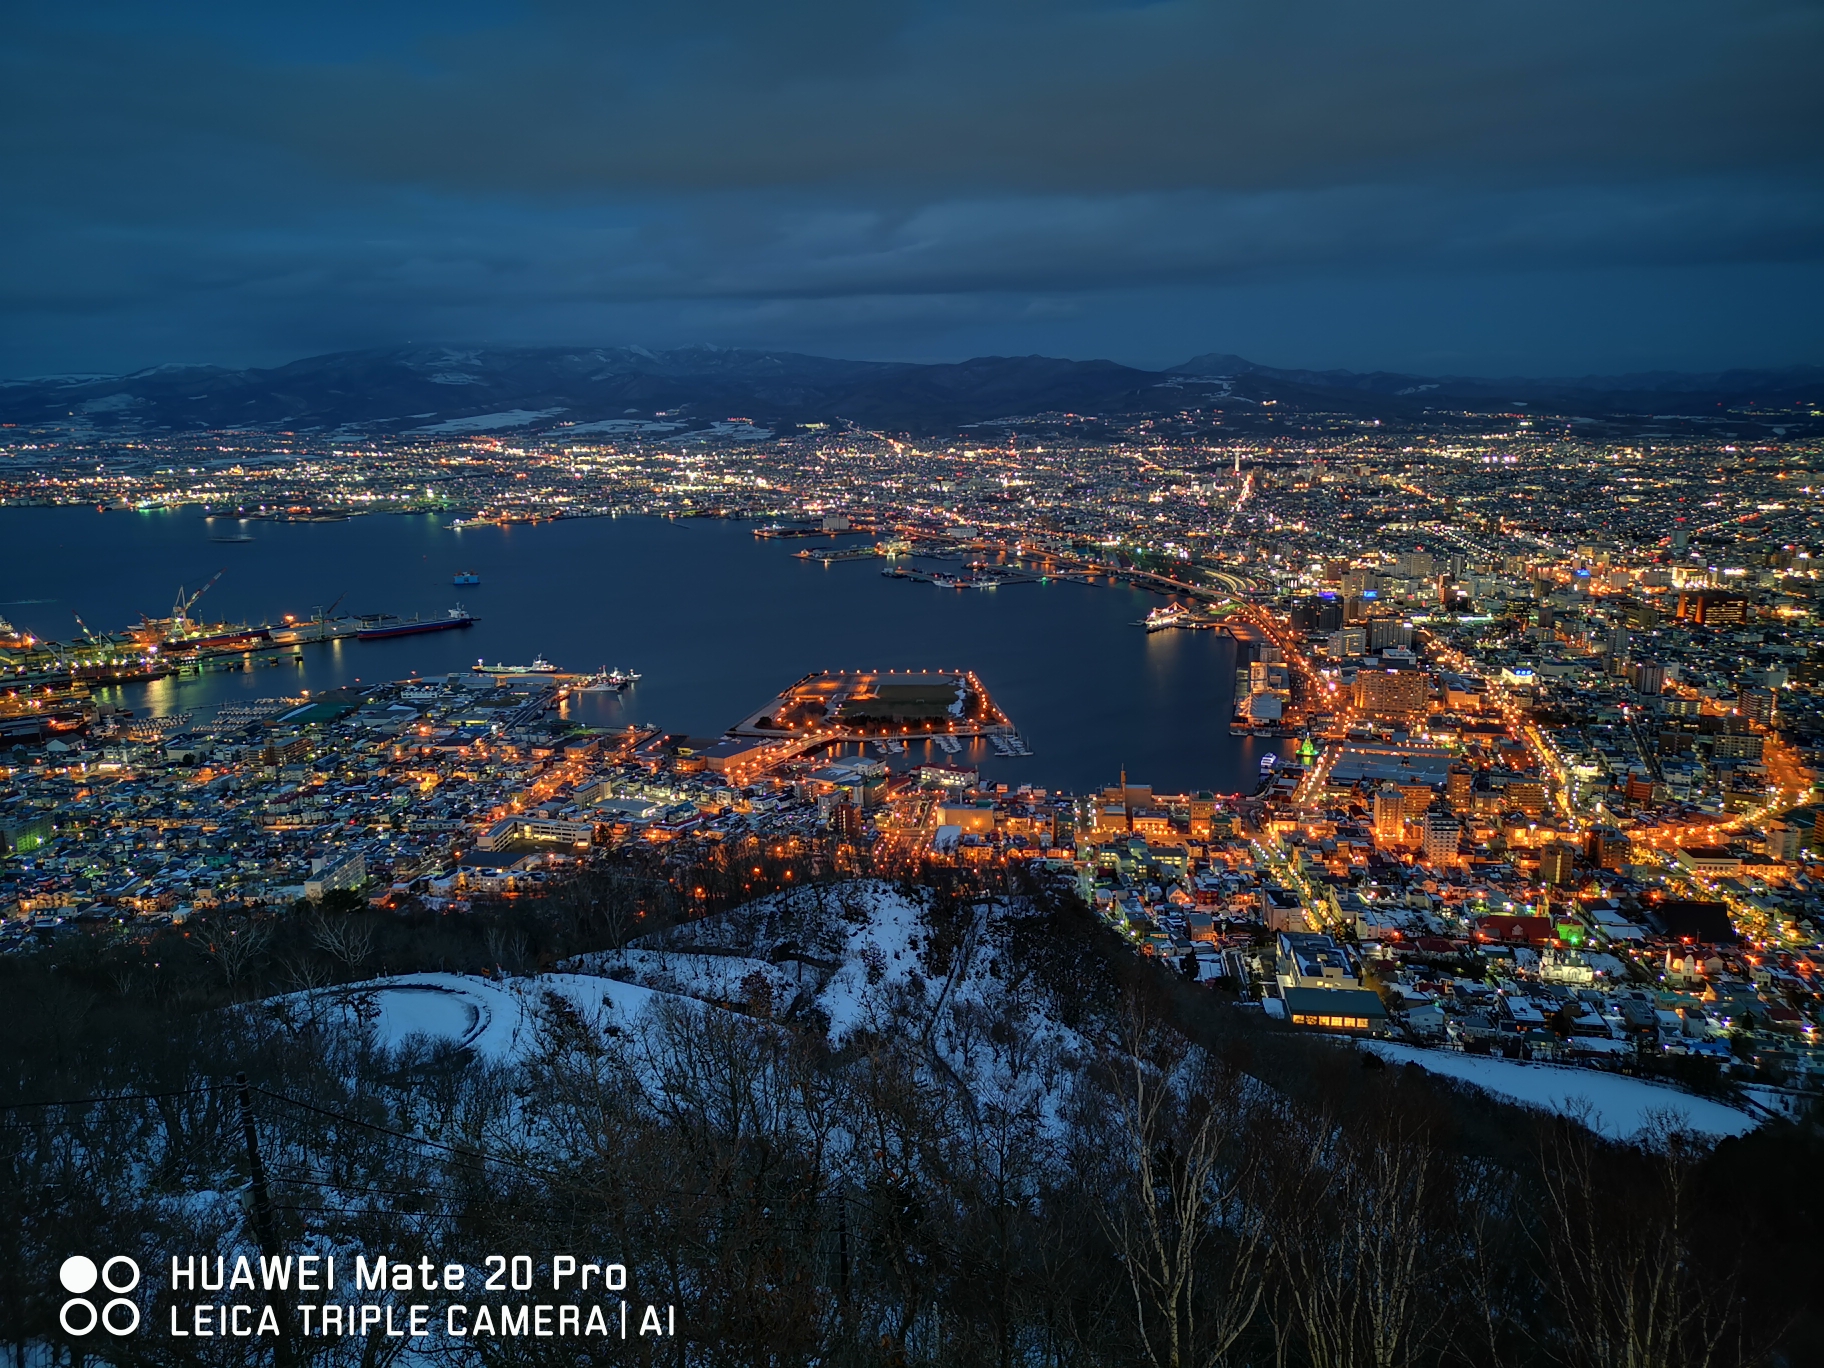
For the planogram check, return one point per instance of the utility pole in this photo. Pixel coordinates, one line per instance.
(263, 1227)
(262, 1199)
(842, 1251)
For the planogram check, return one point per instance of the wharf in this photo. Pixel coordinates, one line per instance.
(975, 579)
(142, 654)
(849, 553)
(834, 706)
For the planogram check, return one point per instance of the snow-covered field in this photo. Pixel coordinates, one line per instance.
(1612, 1105)
(488, 422)
(496, 1018)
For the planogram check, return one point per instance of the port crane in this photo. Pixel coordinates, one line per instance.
(88, 634)
(324, 614)
(181, 606)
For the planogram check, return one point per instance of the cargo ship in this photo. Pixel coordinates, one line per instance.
(221, 640)
(456, 617)
(539, 665)
(465, 577)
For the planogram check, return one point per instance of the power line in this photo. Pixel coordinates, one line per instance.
(283, 1176)
(109, 1097)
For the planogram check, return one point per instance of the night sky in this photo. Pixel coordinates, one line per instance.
(1448, 186)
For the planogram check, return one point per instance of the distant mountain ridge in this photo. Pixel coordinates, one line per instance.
(1742, 382)
(458, 390)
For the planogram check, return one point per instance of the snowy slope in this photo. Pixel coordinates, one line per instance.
(866, 960)
(708, 978)
(1610, 1104)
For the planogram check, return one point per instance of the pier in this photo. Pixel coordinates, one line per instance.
(880, 707)
(182, 647)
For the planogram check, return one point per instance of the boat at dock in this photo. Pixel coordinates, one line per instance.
(229, 638)
(609, 681)
(944, 580)
(1160, 619)
(847, 553)
(539, 666)
(456, 617)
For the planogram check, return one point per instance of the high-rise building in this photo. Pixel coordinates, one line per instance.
(1395, 695)
(1713, 608)
(1757, 705)
(1784, 840)
(1389, 815)
(1649, 677)
(1527, 795)
(845, 818)
(1415, 565)
(1607, 847)
(1557, 863)
(1442, 837)
(1459, 784)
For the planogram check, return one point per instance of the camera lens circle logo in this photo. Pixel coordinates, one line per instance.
(79, 1275)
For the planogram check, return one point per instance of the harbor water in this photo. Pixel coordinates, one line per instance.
(714, 619)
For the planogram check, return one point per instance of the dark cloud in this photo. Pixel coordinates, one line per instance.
(219, 183)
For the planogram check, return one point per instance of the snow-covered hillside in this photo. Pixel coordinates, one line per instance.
(1612, 1105)
(863, 960)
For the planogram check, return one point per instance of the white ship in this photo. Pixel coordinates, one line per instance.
(539, 665)
(610, 681)
(1162, 618)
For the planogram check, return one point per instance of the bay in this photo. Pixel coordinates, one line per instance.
(715, 619)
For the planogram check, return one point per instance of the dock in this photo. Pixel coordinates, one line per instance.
(883, 708)
(847, 553)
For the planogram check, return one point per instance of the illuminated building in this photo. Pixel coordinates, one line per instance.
(1389, 815)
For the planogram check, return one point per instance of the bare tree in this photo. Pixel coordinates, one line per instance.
(347, 938)
(1624, 1255)
(304, 973)
(1178, 1206)
(236, 951)
(1364, 1261)
(507, 948)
